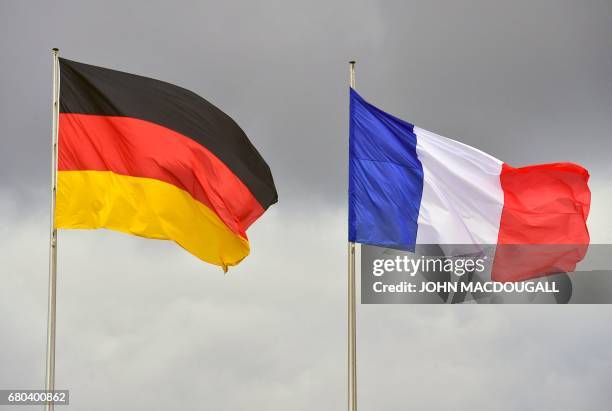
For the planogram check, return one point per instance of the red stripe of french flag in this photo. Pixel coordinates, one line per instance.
(543, 227)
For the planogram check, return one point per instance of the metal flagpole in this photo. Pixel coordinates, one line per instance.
(352, 328)
(50, 375)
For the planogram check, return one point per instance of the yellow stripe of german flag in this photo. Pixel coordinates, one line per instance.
(147, 208)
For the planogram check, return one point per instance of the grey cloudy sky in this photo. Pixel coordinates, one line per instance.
(144, 325)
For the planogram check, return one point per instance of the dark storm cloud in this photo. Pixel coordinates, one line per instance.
(526, 82)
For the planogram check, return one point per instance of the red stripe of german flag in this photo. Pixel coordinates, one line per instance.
(149, 158)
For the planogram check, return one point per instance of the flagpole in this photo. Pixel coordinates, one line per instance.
(352, 328)
(50, 371)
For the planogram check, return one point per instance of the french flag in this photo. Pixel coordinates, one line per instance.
(409, 186)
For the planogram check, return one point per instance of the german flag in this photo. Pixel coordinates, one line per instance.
(148, 158)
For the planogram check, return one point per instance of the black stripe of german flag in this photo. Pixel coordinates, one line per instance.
(152, 159)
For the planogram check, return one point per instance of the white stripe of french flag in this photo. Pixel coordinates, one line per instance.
(462, 198)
